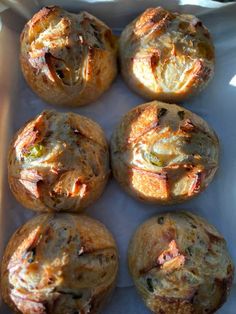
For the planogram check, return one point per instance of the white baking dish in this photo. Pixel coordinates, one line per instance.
(121, 214)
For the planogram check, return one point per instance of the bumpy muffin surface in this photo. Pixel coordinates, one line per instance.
(59, 264)
(166, 56)
(163, 153)
(58, 161)
(180, 264)
(67, 59)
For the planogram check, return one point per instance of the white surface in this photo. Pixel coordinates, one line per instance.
(120, 213)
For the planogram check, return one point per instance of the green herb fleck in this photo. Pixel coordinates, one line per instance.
(189, 251)
(181, 114)
(160, 220)
(162, 112)
(60, 74)
(77, 296)
(150, 285)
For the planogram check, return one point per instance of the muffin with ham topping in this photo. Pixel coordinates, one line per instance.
(180, 264)
(58, 162)
(166, 56)
(163, 153)
(59, 264)
(68, 59)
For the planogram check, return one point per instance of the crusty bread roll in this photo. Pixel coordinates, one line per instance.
(58, 162)
(67, 59)
(180, 264)
(59, 264)
(166, 56)
(163, 153)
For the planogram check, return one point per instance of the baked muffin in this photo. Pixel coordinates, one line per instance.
(59, 264)
(166, 56)
(68, 59)
(58, 162)
(180, 264)
(163, 153)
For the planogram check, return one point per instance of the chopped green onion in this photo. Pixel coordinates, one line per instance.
(35, 151)
(153, 159)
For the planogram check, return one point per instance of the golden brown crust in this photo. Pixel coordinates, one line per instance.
(59, 264)
(58, 161)
(166, 56)
(163, 153)
(67, 59)
(180, 264)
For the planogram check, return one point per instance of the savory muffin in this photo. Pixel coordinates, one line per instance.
(59, 264)
(180, 264)
(58, 162)
(68, 59)
(163, 153)
(166, 56)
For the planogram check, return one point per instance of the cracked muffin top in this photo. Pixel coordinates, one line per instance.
(166, 56)
(163, 153)
(59, 264)
(67, 59)
(58, 162)
(180, 264)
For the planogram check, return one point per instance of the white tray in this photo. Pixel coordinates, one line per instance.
(120, 213)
